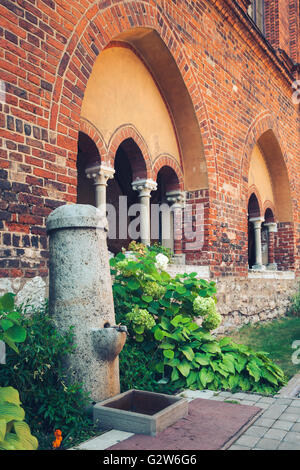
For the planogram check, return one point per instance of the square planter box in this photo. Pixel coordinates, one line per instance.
(140, 412)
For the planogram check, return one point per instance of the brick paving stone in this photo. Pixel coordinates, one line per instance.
(296, 427)
(296, 403)
(256, 431)
(248, 403)
(293, 410)
(247, 441)
(292, 437)
(236, 447)
(263, 406)
(284, 401)
(277, 434)
(287, 446)
(267, 400)
(290, 417)
(274, 411)
(268, 444)
(240, 395)
(253, 397)
(285, 425)
(266, 422)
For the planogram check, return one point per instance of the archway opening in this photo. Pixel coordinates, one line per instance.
(163, 216)
(87, 156)
(253, 212)
(129, 165)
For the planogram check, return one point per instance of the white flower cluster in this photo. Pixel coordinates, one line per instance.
(162, 262)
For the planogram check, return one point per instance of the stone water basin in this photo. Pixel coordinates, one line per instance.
(140, 412)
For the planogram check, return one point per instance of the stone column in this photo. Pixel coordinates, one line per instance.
(257, 222)
(144, 188)
(176, 199)
(80, 296)
(272, 229)
(100, 174)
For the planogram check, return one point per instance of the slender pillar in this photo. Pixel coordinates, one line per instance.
(100, 174)
(176, 199)
(257, 222)
(272, 229)
(144, 188)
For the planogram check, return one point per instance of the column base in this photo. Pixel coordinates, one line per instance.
(258, 267)
(272, 267)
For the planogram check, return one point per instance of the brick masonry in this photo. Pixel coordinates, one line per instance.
(239, 84)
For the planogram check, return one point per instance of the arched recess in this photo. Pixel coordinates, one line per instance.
(266, 167)
(88, 155)
(165, 223)
(254, 211)
(264, 134)
(129, 165)
(150, 33)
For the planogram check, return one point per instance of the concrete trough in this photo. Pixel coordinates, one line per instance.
(140, 412)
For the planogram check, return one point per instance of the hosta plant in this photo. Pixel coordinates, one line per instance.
(14, 432)
(171, 319)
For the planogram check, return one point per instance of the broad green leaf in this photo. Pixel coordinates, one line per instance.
(168, 353)
(159, 334)
(192, 378)
(10, 343)
(203, 376)
(133, 285)
(211, 348)
(2, 429)
(147, 298)
(139, 329)
(10, 411)
(188, 352)
(166, 346)
(6, 324)
(160, 367)
(184, 367)
(16, 333)
(9, 395)
(202, 359)
(176, 320)
(139, 338)
(7, 302)
(254, 371)
(174, 375)
(27, 441)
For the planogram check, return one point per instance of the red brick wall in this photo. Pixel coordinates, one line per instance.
(238, 88)
(284, 247)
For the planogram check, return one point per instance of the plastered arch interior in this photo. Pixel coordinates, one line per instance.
(135, 81)
(268, 173)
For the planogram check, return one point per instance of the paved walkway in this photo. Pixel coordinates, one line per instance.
(278, 428)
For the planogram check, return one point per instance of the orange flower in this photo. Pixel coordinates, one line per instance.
(58, 439)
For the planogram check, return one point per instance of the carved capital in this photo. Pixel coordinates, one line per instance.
(100, 174)
(144, 187)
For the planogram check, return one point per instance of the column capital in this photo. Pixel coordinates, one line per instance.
(176, 197)
(257, 221)
(144, 187)
(100, 174)
(272, 227)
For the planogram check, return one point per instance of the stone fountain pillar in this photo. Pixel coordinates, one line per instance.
(80, 295)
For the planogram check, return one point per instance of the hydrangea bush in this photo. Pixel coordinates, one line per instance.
(162, 315)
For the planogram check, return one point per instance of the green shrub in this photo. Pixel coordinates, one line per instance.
(38, 373)
(159, 312)
(15, 434)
